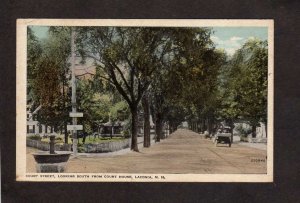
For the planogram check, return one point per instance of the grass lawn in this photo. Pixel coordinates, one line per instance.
(59, 139)
(100, 140)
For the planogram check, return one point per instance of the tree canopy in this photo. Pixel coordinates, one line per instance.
(48, 69)
(178, 72)
(245, 86)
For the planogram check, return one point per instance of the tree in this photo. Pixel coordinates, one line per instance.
(247, 84)
(34, 50)
(146, 110)
(127, 57)
(193, 80)
(48, 76)
(99, 104)
(185, 75)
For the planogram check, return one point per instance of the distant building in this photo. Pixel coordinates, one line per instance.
(82, 71)
(33, 126)
(185, 124)
(260, 130)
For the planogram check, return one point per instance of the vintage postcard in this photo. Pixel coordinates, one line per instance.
(145, 100)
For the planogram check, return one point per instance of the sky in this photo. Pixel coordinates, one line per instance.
(228, 38)
(40, 31)
(232, 38)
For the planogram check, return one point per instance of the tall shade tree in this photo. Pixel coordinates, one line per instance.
(34, 51)
(147, 127)
(247, 84)
(128, 57)
(190, 79)
(99, 107)
(48, 74)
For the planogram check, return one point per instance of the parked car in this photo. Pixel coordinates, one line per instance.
(223, 135)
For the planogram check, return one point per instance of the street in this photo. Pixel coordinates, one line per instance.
(182, 152)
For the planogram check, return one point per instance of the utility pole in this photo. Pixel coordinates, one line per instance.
(74, 114)
(74, 119)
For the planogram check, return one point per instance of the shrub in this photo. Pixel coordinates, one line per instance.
(243, 131)
(58, 139)
(126, 134)
(35, 137)
(80, 148)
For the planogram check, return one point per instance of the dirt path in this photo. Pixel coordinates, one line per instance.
(183, 152)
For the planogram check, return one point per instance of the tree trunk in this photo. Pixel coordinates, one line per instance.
(111, 130)
(167, 130)
(158, 127)
(231, 125)
(254, 131)
(174, 127)
(162, 135)
(266, 128)
(170, 127)
(209, 125)
(145, 103)
(202, 125)
(134, 129)
(66, 133)
(64, 107)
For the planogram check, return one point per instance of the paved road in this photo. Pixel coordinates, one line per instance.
(183, 152)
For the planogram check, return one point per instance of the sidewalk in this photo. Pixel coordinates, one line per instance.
(261, 146)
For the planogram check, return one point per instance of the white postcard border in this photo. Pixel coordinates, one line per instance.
(21, 40)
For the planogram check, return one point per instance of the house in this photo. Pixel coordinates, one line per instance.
(33, 126)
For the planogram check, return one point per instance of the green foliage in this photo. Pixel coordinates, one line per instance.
(35, 137)
(127, 128)
(243, 131)
(126, 57)
(80, 148)
(187, 78)
(119, 111)
(102, 140)
(34, 50)
(48, 68)
(245, 88)
(126, 133)
(99, 107)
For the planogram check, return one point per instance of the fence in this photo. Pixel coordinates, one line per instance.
(44, 146)
(257, 140)
(111, 146)
(88, 148)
